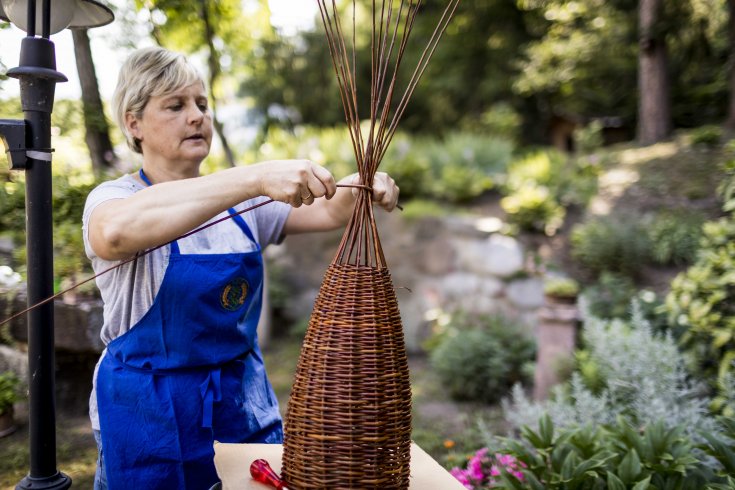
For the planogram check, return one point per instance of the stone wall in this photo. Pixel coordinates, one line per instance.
(78, 346)
(437, 265)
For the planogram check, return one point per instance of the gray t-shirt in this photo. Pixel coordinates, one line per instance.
(127, 300)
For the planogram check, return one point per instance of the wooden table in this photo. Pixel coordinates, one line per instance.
(233, 467)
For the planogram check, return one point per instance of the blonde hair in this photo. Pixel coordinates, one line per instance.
(147, 73)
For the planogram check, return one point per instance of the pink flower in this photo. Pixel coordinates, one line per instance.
(462, 476)
(475, 469)
(482, 470)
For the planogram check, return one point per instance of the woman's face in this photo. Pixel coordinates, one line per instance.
(176, 128)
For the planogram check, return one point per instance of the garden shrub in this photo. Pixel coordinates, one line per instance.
(564, 288)
(724, 401)
(571, 181)
(464, 165)
(726, 188)
(637, 375)
(720, 446)
(421, 208)
(409, 165)
(490, 155)
(69, 195)
(675, 237)
(539, 167)
(541, 184)
(646, 427)
(589, 137)
(609, 297)
(458, 184)
(702, 300)
(9, 390)
(533, 208)
(480, 357)
(707, 135)
(500, 120)
(12, 209)
(615, 244)
(612, 456)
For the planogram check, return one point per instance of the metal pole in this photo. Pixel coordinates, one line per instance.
(38, 77)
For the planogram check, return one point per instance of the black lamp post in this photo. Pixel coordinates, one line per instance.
(28, 145)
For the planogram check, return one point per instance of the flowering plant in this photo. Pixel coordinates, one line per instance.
(483, 469)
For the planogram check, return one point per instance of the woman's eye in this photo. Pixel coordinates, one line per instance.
(175, 107)
(203, 107)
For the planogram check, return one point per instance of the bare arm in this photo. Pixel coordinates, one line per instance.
(332, 213)
(158, 214)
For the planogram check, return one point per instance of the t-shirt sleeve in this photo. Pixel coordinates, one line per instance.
(116, 189)
(270, 220)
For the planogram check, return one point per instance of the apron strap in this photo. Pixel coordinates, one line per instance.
(144, 177)
(237, 218)
(211, 391)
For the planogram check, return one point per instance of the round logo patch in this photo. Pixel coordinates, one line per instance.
(234, 294)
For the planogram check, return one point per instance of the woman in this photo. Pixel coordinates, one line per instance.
(182, 366)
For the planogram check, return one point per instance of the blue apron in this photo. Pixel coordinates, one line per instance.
(188, 373)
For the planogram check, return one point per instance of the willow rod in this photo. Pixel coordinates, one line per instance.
(421, 67)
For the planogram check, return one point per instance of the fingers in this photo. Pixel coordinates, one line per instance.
(319, 183)
(302, 182)
(385, 191)
(326, 185)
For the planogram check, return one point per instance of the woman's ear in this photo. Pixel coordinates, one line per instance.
(133, 127)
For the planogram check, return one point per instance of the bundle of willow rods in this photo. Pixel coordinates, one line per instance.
(348, 423)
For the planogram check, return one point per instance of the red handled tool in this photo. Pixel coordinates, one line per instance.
(262, 472)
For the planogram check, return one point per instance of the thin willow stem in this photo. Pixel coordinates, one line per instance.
(390, 30)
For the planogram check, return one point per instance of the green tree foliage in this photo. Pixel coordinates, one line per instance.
(294, 73)
(585, 62)
(471, 70)
(474, 65)
(701, 299)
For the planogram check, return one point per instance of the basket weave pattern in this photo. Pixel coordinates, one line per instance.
(348, 423)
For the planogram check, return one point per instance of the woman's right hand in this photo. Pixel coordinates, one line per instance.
(295, 182)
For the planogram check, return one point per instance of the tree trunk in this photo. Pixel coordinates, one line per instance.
(654, 110)
(214, 72)
(730, 123)
(97, 131)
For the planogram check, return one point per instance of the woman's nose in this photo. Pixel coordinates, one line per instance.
(194, 114)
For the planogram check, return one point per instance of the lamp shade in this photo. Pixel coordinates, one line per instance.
(89, 13)
(64, 13)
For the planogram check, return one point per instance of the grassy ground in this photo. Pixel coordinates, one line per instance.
(76, 453)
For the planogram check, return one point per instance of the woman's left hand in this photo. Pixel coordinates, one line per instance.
(385, 190)
(331, 213)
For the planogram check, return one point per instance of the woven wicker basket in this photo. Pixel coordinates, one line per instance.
(348, 423)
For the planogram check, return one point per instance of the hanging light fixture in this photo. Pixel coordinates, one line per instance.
(64, 13)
